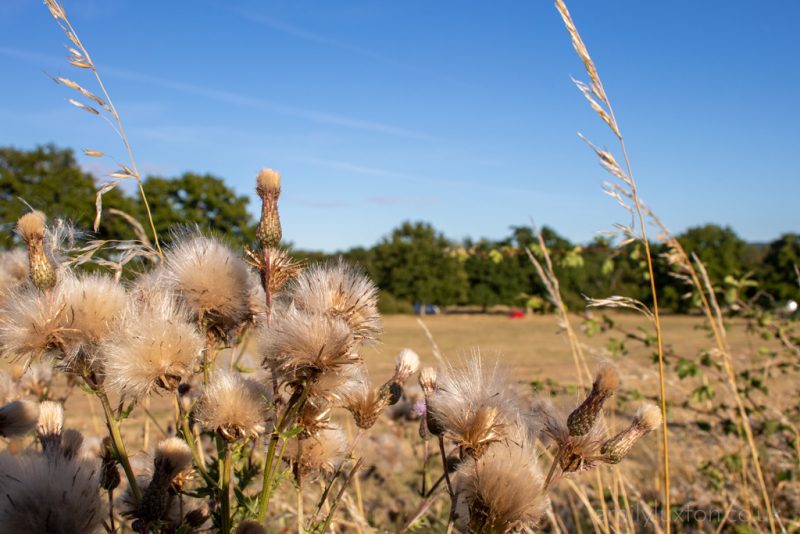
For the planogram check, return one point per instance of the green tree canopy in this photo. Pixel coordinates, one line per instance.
(417, 264)
(50, 180)
(719, 248)
(777, 273)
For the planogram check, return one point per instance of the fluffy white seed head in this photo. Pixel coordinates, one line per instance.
(406, 364)
(320, 454)
(427, 380)
(30, 226)
(51, 420)
(31, 324)
(18, 418)
(473, 404)
(92, 306)
(13, 270)
(235, 407)
(210, 279)
(305, 346)
(172, 456)
(51, 494)
(155, 348)
(503, 490)
(340, 290)
(268, 181)
(648, 417)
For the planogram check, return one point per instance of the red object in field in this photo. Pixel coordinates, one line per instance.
(516, 314)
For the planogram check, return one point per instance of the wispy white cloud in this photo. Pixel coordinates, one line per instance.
(237, 99)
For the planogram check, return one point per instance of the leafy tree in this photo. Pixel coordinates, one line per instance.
(417, 264)
(719, 248)
(200, 199)
(778, 274)
(49, 179)
(495, 274)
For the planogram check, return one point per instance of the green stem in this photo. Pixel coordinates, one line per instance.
(292, 409)
(119, 446)
(225, 490)
(189, 437)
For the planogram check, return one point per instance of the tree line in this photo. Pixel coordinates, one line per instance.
(414, 263)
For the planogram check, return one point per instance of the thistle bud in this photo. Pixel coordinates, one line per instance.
(109, 472)
(198, 516)
(582, 419)
(18, 418)
(268, 188)
(427, 381)
(30, 228)
(71, 443)
(647, 419)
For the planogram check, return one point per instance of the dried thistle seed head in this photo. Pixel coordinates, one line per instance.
(363, 401)
(315, 415)
(31, 228)
(92, 306)
(31, 325)
(583, 418)
(18, 418)
(427, 381)
(50, 494)
(71, 443)
(172, 456)
(407, 363)
(197, 517)
(303, 346)
(50, 425)
(154, 349)
(503, 491)
(647, 419)
(472, 405)
(13, 270)
(318, 455)
(268, 182)
(210, 279)
(268, 187)
(251, 527)
(340, 290)
(234, 407)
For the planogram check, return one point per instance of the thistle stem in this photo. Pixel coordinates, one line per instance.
(225, 490)
(119, 446)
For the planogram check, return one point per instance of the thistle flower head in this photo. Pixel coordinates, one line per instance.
(363, 401)
(210, 279)
(155, 348)
(503, 490)
(18, 418)
(318, 455)
(338, 289)
(32, 325)
(50, 425)
(50, 494)
(406, 364)
(427, 381)
(303, 346)
(13, 270)
(576, 453)
(234, 407)
(172, 456)
(473, 405)
(583, 418)
(268, 181)
(30, 226)
(648, 418)
(92, 306)
(31, 229)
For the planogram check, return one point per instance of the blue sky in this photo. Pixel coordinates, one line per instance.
(459, 113)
